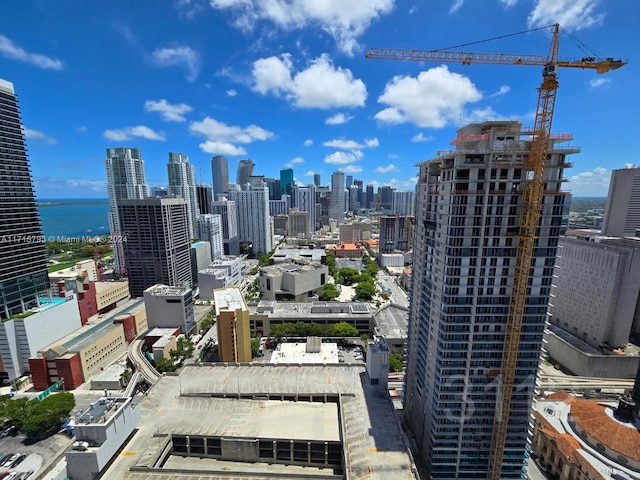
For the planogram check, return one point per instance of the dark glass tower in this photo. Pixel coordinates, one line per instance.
(23, 255)
(220, 174)
(245, 171)
(205, 197)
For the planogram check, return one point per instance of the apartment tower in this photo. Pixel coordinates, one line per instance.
(622, 214)
(204, 194)
(245, 172)
(209, 229)
(337, 199)
(125, 180)
(23, 255)
(254, 222)
(467, 222)
(220, 175)
(227, 209)
(182, 183)
(158, 246)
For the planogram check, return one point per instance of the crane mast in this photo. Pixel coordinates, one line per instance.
(532, 198)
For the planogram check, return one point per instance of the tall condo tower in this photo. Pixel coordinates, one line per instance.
(254, 222)
(286, 184)
(125, 180)
(23, 255)
(306, 201)
(182, 183)
(158, 246)
(209, 229)
(205, 197)
(227, 209)
(465, 241)
(220, 174)
(245, 172)
(622, 214)
(337, 202)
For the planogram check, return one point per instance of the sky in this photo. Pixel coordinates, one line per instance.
(286, 83)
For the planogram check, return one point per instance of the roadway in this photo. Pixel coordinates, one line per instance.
(397, 295)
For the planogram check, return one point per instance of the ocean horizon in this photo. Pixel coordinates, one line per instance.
(73, 217)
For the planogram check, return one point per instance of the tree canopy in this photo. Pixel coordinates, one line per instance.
(305, 329)
(329, 292)
(34, 417)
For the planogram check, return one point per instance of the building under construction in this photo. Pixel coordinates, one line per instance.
(468, 210)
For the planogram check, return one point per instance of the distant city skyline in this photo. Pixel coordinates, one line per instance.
(300, 94)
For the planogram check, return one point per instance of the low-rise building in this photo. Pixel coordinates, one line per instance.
(232, 323)
(85, 292)
(170, 307)
(295, 280)
(223, 273)
(346, 250)
(200, 256)
(110, 294)
(392, 260)
(85, 268)
(354, 232)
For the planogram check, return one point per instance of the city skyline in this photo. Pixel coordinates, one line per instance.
(297, 92)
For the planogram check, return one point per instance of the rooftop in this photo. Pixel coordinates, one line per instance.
(229, 299)
(165, 290)
(296, 353)
(392, 321)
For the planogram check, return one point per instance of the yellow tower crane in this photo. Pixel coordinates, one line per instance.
(532, 196)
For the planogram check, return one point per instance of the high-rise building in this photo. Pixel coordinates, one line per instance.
(170, 307)
(227, 209)
(182, 183)
(354, 193)
(369, 198)
(209, 229)
(337, 206)
(220, 174)
(125, 180)
(205, 197)
(622, 213)
(349, 181)
(23, 255)
(402, 202)
(287, 184)
(245, 172)
(396, 232)
(298, 224)
(157, 247)
(306, 202)
(254, 223)
(159, 192)
(465, 242)
(359, 184)
(274, 188)
(232, 322)
(316, 179)
(385, 198)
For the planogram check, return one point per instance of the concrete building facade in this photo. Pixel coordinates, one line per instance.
(125, 180)
(298, 224)
(337, 199)
(467, 215)
(23, 254)
(294, 280)
(170, 307)
(200, 257)
(158, 243)
(182, 183)
(226, 272)
(220, 174)
(254, 224)
(396, 233)
(245, 172)
(227, 209)
(232, 322)
(403, 202)
(209, 229)
(622, 213)
(305, 201)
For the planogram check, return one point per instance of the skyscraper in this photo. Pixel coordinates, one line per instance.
(254, 223)
(209, 229)
(466, 237)
(316, 179)
(402, 202)
(158, 246)
(23, 255)
(182, 183)
(349, 180)
(205, 197)
(396, 232)
(306, 201)
(622, 213)
(385, 198)
(337, 205)
(286, 184)
(227, 209)
(125, 180)
(245, 172)
(220, 175)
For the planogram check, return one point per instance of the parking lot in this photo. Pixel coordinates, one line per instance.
(37, 455)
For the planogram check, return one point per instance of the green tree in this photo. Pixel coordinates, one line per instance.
(329, 292)
(343, 329)
(255, 346)
(366, 289)
(331, 263)
(395, 362)
(166, 365)
(37, 418)
(349, 276)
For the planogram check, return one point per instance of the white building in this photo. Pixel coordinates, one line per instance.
(125, 180)
(378, 362)
(403, 202)
(200, 257)
(254, 223)
(182, 183)
(280, 207)
(22, 338)
(168, 307)
(306, 202)
(210, 230)
(392, 260)
(337, 205)
(467, 216)
(223, 273)
(622, 213)
(227, 208)
(86, 268)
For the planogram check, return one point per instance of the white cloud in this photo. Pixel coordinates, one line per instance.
(190, 8)
(222, 148)
(311, 173)
(598, 82)
(344, 21)
(127, 133)
(297, 160)
(503, 90)
(36, 135)
(594, 183)
(393, 156)
(340, 158)
(371, 142)
(351, 144)
(178, 56)
(320, 85)
(169, 112)
(352, 169)
(413, 9)
(81, 129)
(456, 5)
(8, 49)
(571, 14)
(432, 99)
(66, 185)
(308, 142)
(419, 137)
(389, 168)
(231, 93)
(222, 138)
(403, 184)
(508, 3)
(338, 119)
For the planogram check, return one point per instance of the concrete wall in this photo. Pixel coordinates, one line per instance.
(240, 450)
(105, 349)
(584, 364)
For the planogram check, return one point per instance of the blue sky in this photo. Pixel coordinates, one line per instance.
(285, 82)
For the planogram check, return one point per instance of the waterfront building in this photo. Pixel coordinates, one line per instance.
(23, 254)
(465, 243)
(125, 180)
(158, 244)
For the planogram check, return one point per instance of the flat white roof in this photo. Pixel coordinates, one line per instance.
(296, 353)
(228, 299)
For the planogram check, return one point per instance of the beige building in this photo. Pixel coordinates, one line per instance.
(110, 293)
(86, 268)
(232, 320)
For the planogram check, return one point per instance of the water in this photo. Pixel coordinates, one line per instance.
(64, 217)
